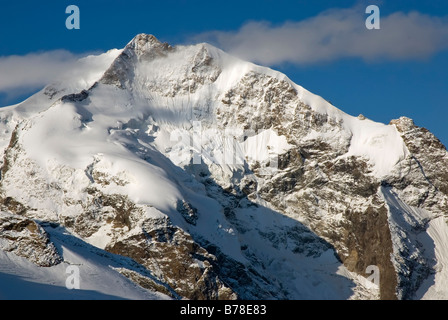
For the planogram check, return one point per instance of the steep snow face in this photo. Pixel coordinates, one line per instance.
(380, 144)
(198, 165)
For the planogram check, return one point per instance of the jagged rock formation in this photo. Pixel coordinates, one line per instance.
(291, 198)
(27, 239)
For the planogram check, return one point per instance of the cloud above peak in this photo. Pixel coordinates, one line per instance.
(25, 74)
(335, 34)
(34, 69)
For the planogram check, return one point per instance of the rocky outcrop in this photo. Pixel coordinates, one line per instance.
(27, 239)
(428, 167)
(176, 259)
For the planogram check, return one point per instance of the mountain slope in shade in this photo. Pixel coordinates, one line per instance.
(101, 274)
(222, 179)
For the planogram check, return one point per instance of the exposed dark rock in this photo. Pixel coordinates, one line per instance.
(172, 255)
(187, 211)
(27, 239)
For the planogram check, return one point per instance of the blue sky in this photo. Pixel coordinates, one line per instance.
(322, 45)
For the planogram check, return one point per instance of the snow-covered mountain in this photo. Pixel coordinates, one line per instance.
(183, 172)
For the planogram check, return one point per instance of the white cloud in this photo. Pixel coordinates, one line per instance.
(333, 35)
(23, 75)
(34, 70)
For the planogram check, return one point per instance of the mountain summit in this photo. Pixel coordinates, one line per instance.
(197, 175)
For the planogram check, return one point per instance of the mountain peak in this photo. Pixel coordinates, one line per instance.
(143, 47)
(146, 38)
(147, 46)
(403, 123)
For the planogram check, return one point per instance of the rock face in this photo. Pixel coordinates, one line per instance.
(27, 239)
(173, 256)
(418, 186)
(225, 180)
